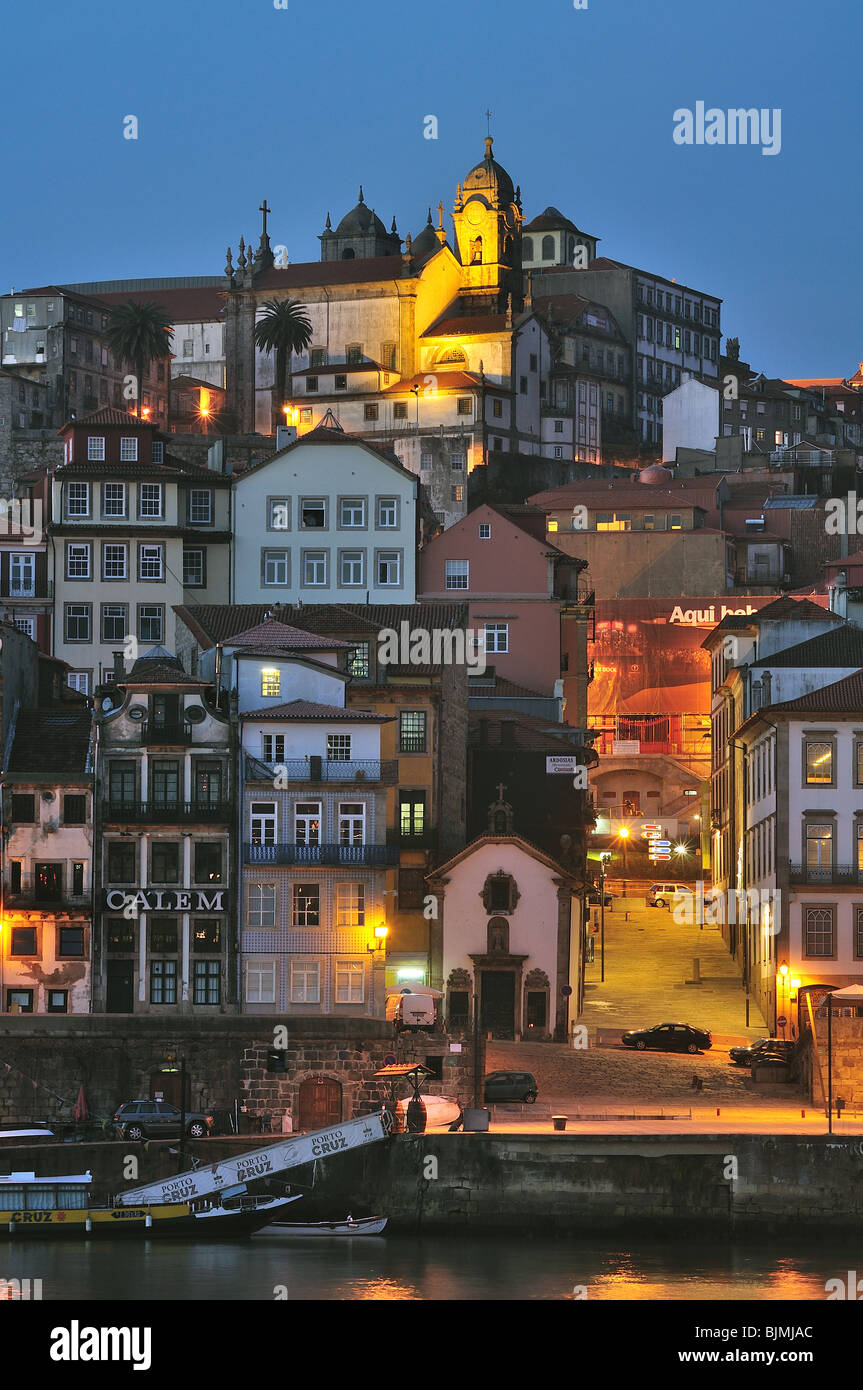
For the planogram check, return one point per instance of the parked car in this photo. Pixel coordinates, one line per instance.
(156, 1119)
(593, 896)
(761, 1050)
(663, 894)
(510, 1085)
(669, 1037)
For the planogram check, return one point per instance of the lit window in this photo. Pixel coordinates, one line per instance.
(271, 681)
(819, 764)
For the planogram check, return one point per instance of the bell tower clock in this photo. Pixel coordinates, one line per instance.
(487, 218)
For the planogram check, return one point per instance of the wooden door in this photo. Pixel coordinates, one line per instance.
(320, 1103)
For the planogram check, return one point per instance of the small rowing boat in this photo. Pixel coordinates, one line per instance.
(361, 1226)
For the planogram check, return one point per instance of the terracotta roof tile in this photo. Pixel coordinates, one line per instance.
(275, 634)
(306, 710)
(51, 744)
(842, 697)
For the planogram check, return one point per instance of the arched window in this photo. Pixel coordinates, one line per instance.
(527, 249)
(548, 248)
(476, 251)
(348, 254)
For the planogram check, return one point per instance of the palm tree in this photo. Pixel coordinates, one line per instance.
(139, 333)
(283, 328)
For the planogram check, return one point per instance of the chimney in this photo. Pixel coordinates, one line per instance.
(216, 456)
(507, 733)
(119, 667)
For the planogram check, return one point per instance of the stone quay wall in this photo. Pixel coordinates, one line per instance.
(115, 1058)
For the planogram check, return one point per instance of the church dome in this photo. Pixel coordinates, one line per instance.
(655, 473)
(426, 243)
(361, 221)
(491, 178)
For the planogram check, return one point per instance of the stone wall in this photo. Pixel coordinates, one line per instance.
(114, 1057)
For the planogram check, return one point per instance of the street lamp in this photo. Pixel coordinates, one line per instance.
(783, 976)
(378, 947)
(415, 392)
(623, 834)
(603, 860)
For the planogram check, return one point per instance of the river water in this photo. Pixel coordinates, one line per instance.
(272, 1266)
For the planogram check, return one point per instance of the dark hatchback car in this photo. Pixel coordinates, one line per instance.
(669, 1037)
(774, 1049)
(156, 1119)
(510, 1085)
(593, 896)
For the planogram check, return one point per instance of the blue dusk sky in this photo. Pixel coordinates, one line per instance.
(238, 101)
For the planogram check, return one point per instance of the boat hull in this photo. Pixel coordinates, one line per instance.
(174, 1220)
(363, 1226)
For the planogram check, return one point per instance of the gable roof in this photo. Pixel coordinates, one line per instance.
(211, 623)
(842, 697)
(50, 744)
(494, 840)
(327, 434)
(842, 646)
(307, 710)
(276, 635)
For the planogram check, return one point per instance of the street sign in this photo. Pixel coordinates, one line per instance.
(782, 1022)
(390, 1060)
(566, 991)
(648, 830)
(562, 763)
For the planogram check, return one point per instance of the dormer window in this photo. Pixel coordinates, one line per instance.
(96, 448)
(129, 449)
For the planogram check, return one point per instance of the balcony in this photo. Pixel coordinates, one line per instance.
(833, 876)
(371, 856)
(318, 769)
(166, 734)
(166, 812)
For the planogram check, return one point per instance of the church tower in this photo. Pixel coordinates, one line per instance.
(487, 217)
(360, 235)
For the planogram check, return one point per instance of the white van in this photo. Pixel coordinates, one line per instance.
(663, 894)
(412, 1012)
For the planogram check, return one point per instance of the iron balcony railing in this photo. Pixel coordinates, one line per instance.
(319, 769)
(326, 855)
(165, 733)
(832, 874)
(170, 812)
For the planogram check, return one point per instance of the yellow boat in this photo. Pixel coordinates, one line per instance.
(58, 1207)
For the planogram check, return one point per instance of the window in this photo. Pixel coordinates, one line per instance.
(260, 981)
(278, 514)
(313, 514)
(497, 407)
(207, 982)
(77, 561)
(305, 982)
(164, 861)
(412, 731)
(819, 932)
(388, 356)
(318, 357)
(208, 861)
(350, 982)
(306, 905)
(388, 513)
(359, 661)
(163, 982)
(351, 568)
(307, 823)
(497, 637)
(19, 1000)
(262, 904)
(165, 782)
(77, 622)
(114, 561)
(338, 748)
(275, 569)
(370, 411)
(70, 941)
(499, 893)
(158, 449)
(119, 936)
(27, 626)
(400, 410)
(49, 883)
(464, 405)
(206, 934)
(121, 783)
(150, 627)
(457, 493)
(271, 682)
(23, 942)
(200, 506)
(352, 512)
(273, 748)
(208, 783)
(74, 810)
(23, 809)
(77, 878)
(95, 448)
(352, 823)
(819, 764)
(819, 846)
(115, 621)
(353, 354)
(22, 574)
(150, 499)
(314, 568)
(58, 1001)
(411, 889)
(389, 568)
(350, 905)
(128, 450)
(194, 569)
(311, 384)
(122, 864)
(457, 574)
(263, 822)
(457, 462)
(340, 382)
(150, 562)
(522, 385)
(188, 347)
(412, 808)
(114, 499)
(484, 531)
